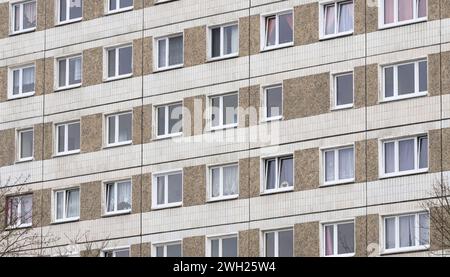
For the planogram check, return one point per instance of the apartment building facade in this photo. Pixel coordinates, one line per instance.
(224, 128)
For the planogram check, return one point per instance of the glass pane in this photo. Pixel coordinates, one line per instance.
(407, 231)
(73, 136)
(388, 82)
(285, 244)
(405, 10)
(406, 154)
(73, 203)
(423, 152)
(174, 188)
(26, 150)
(123, 196)
(424, 229)
(29, 15)
(111, 129)
(274, 101)
(270, 174)
(112, 63)
(62, 10)
(270, 31)
(28, 79)
(229, 247)
(13, 211)
(174, 250)
(160, 187)
(230, 180)
(26, 203)
(125, 56)
(346, 17)
(16, 82)
(215, 248)
(215, 42)
(109, 254)
(389, 233)
(422, 8)
(270, 245)
(388, 11)
(405, 79)
(286, 31)
(59, 205)
(110, 198)
(61, 138)
(175, 50)
(125, 127)
(161, 121)
(160, 251)
(16, 17)
(286, 172)
(62, 73)
(215, 182)
(329, 240)
(346, 164)
(329, 166)
(344, 89)
(112, 5)
(162, 53)
(329, 19)
(126, 3)
(122, 253)
(75, 71)
(215, 113)
(423, 76)
(230, 103)
(230, 39)
(389, 157)
(346, 239)
(76, 8)
(175, 118)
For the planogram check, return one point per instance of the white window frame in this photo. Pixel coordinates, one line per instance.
(12, 20)
(156, 55)
(263, 174)
(118, 9)
(221, 238)
(116, 135)
(164, 245)
(276, 240)
(19, 223)
(264, 102)
(395, 66)
(66, 134)
(335, 238)
(335, 91)
(11, 81)
(67, 59)
(55, 207)
(165, 174)
(221, 196)
(167, 115)
(222, 55)
(263, 34)
(116, 68)
(397, 248)
(19, 145)
(396, 141)
(396, 23)
(67, 21)
(336, 165)
(221, 124)
(116, 211)
(336, 33)
(114, 250)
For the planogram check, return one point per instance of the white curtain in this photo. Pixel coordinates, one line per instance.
(407, 231)
(345, 17)
(329, 19)
(26, 203)
(176, 50)
(123, 196)
(230, 180)
(29, 16)
(28, 79)
(125, 127)
(73, 203)
(77, 69)
(230, 40)
(286, 172)
(406, 154)
(329, 166)
(215, 179)
(390, 233)
(346, 164)
(110, 204)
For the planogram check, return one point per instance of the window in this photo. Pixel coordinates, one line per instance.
(343, 90)
(119, 62)
(406, 232)
(20, 211)
(170, 120)
(406, 155)
(273, 97)
(336, 18)
(396, 12)
(68, 138)
(69, 72)
(24, 16)
(70, 10)
(224, 111)
(22, 80)
(118, 197)
(168, 188)
(278, 174)
(339, 165)
(117, 253)
(405, 80)
(224, 41)
(279, 243)
(170, 51)
(339, 239)
(26, 138)
(119, 5)
(67, 204)
(278, 30)
(224, 181)
(223, 246)
(119, 129)
(172, 249)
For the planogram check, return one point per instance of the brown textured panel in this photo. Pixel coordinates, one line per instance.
(141, 250)
(93, 9)
(360, 85)
(306, 22)
(249, 103)
(91, 133)
(141, 193)
(142, 120)
(142, 56)
(360, 161)
(434, 147)
(433, 9)
(4, 20)
(445, 72)
(194, 185)
(359, 80)
(193, 119)
(194, 46)
(439, 226)
(42, 207)
(372, 160)
(366, 235)
(91, 199)
(3, 84)
(446, 149)
(194, 246)
(249, 36)
(92, 66)
(249, 183)
(365, 9)
(307, 165)
(434, 75)
(91, 253)
(359, 17)
(306, 239)
(445, 8)
(139, 4)
(371, 16)
(43, 141)
(249, 243)
(7, 147)
(306, 96)
(44, 76)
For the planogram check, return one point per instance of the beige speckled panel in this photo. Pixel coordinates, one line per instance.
(142, 56)
(306, 96)
(194, 123)
(307, 173)
(249, 184)
(7, 147)
(91, 133)
(249, 100)
(434, 147)
(141, 250)
(371, 17)
(91, 199)
(43, 141)
(3, 84)
(366, 235)
(42, 207)
(194, 46)
(360, 161)
(360, 85)
(142, 132)
(194, 246)
(306, 24)
(92, 66)
(439, 222)
(44, 76)
(249, 243)
(446, 149)
(249, 37)
(434, 75)
(141, 193)
(445, 72)
(372, 160)
(445, 9)
(306, 239)
(4, 20)
(139, 4)
(194, 185)
(359, 81)
(90, 253)
(363, 9)
(359, 17)
(433, 9)
(93, 9)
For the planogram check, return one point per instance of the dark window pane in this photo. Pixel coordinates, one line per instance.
(161, 121)
(62, 10)
(346, 238)
(175, 50)
(75, 71)
(270, 245)
(62, 73)
(126, 3)
(405, 79)
(389, 157)
(125, 55)
(229, 247)
(174, 250)
(344, 87)
(175, 118)
(285, 24)
(111, 129)
(388, 82)
(270, 174)
(406, 154)
(76, 8)
(215, 113)
(73, 136)
(230, 103)
(162, 53)
(285, 244)
(389, 233)
(112, 63)
(423, 76)
(174, 188)
(286, 172)
(215, 43)
(125, 127)
(423, 152)
(274, 102)
(61, 138)
(215, 248)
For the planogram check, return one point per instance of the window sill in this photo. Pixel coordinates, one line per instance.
(269, 192)
(111, 214)
(405, 250)
(119, 11)
(222, 58)
(28, 94)
(337, 183)
(342, 107)
(66, 154)
(70, 21)
(173, 67)
(223, 198)
(338, 35)
(222, 128)
(22, 32)
(18, 227)
(167, 206)
(164, 137)
(67, 87)
(118, 144)
(111, 79)
(405, 173)
(272, 119)
(410, 96)
(68, 220)
(25, 160)
(340, 256)
(280, 46)
(402, 23)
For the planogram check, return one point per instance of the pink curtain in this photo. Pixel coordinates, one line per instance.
(288, 18)
(329, 240)
(270, 31)
(405, 10)
(422, 8)
(388, 11)
(329, 19)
